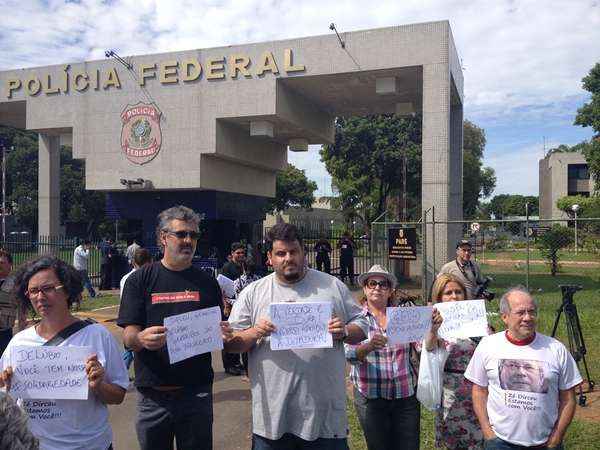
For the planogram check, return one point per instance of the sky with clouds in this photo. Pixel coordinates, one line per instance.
(523, 60)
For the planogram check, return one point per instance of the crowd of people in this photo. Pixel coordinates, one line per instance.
(512, 389)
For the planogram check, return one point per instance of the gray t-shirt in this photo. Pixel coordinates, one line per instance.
(302, 392)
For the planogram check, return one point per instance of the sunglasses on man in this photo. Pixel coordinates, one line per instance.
(182, 234)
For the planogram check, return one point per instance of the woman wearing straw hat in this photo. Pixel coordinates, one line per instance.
(383, 378)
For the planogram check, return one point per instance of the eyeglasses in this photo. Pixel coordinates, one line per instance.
(182, 234)
(521, 313)
(372, 284)
(46, 290)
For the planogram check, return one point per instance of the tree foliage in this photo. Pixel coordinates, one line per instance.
(513, 205)
(588, 206)
(366, 160)
(293, 189)
(366, 165)
(76, 204)
(551, 242)
(589, 116)
(478, 181)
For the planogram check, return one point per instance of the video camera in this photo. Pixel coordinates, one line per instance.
(482, 290)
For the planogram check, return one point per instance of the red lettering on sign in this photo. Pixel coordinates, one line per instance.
(176, 297)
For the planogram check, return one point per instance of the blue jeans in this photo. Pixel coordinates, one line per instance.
(185, 415)
(87, 283)
(292, 442)
(499, 444)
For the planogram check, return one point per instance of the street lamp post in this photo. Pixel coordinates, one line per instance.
(4, 152)
(575, 208)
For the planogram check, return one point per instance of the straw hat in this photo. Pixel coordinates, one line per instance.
(377, 270)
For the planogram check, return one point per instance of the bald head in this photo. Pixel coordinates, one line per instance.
(519, 313)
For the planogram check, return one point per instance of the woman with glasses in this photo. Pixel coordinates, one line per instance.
(382, 375)
(50, 286)
(456, 425)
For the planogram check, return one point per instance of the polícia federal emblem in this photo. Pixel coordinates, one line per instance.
(141, 136)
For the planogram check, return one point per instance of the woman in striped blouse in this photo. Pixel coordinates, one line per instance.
(383, 378)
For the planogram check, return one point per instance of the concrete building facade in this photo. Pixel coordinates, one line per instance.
(562, 174)
(210, 128)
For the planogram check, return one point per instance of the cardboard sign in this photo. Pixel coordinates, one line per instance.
(402, 243)
(193, 333)
(407, 324)
(301, 325)
(462, 319)
(51, 372)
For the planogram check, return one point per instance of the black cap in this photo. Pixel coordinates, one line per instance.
(464, 242)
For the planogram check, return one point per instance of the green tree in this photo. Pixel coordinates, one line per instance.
(589, 116)
(551, 242)
(478, 181)
(366, 165)
(76, 203)
(513, 205)
(292, 189)
(366, 160)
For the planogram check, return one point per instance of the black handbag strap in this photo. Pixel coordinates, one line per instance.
(69, 331)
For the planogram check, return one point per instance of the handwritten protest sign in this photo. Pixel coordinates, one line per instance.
(407, 324)
(301, 325)
(462, 319)
(49, 372)
(193, 333)
(226, 285)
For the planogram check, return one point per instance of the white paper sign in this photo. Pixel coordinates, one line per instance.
(462, 319)
(193, 333)
(51, 372)
(226, 285)
(407, 324)
(301, 325)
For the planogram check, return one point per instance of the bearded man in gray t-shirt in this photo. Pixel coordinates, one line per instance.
(298, 396)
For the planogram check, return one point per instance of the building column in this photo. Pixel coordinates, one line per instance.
(441, 166)
(48, 185)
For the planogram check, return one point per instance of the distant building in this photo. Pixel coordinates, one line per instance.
(320, 216)
(562, 174)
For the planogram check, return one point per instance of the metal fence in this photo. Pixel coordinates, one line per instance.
(312, 232)
(24, 248)
(519, 250)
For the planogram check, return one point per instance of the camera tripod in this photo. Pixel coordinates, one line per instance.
(574, 333)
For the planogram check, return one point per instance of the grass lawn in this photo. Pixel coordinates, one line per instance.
(534, 253)
(89, 304)
(581, 434)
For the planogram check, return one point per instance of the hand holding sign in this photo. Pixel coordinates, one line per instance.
(407, 324)
(49, 372)
(462, 319)
(193, 333)
(301, 325)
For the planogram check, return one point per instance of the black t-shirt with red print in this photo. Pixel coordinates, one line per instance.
(154, 292)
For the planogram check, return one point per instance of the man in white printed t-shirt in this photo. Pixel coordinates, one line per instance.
(523, 382)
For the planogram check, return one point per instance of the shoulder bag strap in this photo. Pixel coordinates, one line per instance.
(69, 331)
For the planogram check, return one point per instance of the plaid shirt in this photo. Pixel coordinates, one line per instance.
(384, 373)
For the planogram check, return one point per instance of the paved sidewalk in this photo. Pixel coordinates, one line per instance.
(232, 408)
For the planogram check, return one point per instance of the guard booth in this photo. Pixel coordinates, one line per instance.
(210, 128)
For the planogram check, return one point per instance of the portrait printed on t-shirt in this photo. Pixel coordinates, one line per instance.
(525, 375)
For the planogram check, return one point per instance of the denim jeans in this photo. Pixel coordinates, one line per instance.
(291, 442)
(499, 444)
(386, 423)
(87, 283)
(184, 414)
